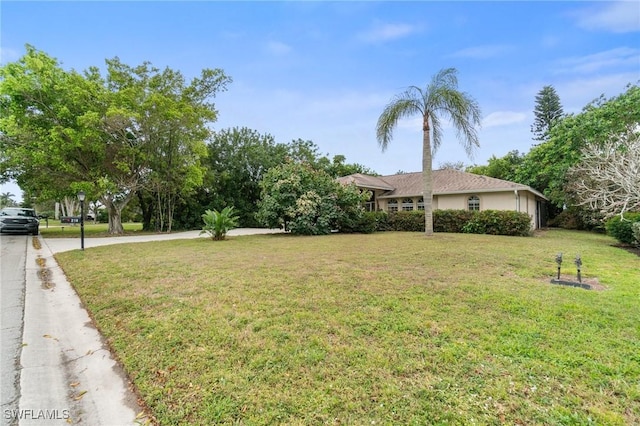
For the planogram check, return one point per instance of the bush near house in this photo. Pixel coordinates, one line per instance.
(451, 220)
(636, 233)
(307, 201)
(499, 222)
(579, 218)
(492, 222)
(412, 221)
(621, 229)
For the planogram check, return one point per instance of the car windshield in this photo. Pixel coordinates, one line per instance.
(18, 212)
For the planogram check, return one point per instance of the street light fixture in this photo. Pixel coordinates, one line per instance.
(81, 197)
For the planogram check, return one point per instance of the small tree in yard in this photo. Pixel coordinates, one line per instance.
(307, 201)
(218, 223)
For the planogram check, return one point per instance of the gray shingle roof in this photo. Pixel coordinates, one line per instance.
(445, 181)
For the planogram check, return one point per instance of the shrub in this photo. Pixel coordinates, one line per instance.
(499, 222)
(451, 220)
(412, 221)
(308, 201)
(381, 219)
(366, 223)
(579, 218)
(621, 229)
(635, 228)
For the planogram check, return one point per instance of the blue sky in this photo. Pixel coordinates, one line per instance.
(323, 71)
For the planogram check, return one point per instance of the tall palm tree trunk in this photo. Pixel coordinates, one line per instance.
(427, 176)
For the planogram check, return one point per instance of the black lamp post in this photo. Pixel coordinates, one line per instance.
(81, 196)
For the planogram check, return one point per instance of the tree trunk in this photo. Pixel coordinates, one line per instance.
(114, 209)
(427, 176)
(115, 220)
(147, 211)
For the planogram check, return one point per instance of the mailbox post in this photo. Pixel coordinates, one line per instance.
(81, 197)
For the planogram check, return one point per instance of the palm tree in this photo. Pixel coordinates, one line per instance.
(441, 97)
(6, 199)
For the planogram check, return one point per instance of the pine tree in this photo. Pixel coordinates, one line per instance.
(548, 111)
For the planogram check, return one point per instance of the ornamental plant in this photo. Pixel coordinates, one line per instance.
(218, 223)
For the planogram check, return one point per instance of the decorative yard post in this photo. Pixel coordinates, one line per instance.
(81, 196)
(578, 262)
(559, 262)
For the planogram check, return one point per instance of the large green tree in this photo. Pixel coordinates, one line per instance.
(505, 168)
(46, 138)
(545, 166)
(238, 160)
(170, 118)
(135, 129)
(304, 200)
(548, 111)
(439, 99)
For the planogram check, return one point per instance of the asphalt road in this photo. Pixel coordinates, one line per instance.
(13, 253)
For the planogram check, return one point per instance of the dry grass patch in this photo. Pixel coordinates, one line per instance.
(389, 328)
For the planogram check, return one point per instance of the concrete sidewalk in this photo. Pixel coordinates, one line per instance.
(69, 376)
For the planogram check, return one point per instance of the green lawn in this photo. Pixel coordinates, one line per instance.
(55, 229)
(388, 328)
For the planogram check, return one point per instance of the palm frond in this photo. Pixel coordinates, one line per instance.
(405, 105)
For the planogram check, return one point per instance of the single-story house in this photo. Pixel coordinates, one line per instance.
(452, 189)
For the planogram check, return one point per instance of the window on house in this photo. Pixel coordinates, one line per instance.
(407, 205)
(392, 205)
(421, 203)
(370, 205)
(473, 202)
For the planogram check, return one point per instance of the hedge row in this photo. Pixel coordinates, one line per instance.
(494, 222)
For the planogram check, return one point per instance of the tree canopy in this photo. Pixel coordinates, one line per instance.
(134, 129)
(545, 166)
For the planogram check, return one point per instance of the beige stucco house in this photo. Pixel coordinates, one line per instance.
(452, 189)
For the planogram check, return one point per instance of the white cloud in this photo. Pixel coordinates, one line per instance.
(619, 57)
(617, 17)
(278, 48)
(385, 32)
(8, 55)
(503, 118)
(483, 52)
(577, 93)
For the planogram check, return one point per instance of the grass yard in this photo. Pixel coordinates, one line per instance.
(388, 328)
(55, 229)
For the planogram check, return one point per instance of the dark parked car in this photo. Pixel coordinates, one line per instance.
(19, 220)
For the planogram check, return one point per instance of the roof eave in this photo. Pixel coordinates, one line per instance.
(469, 191)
